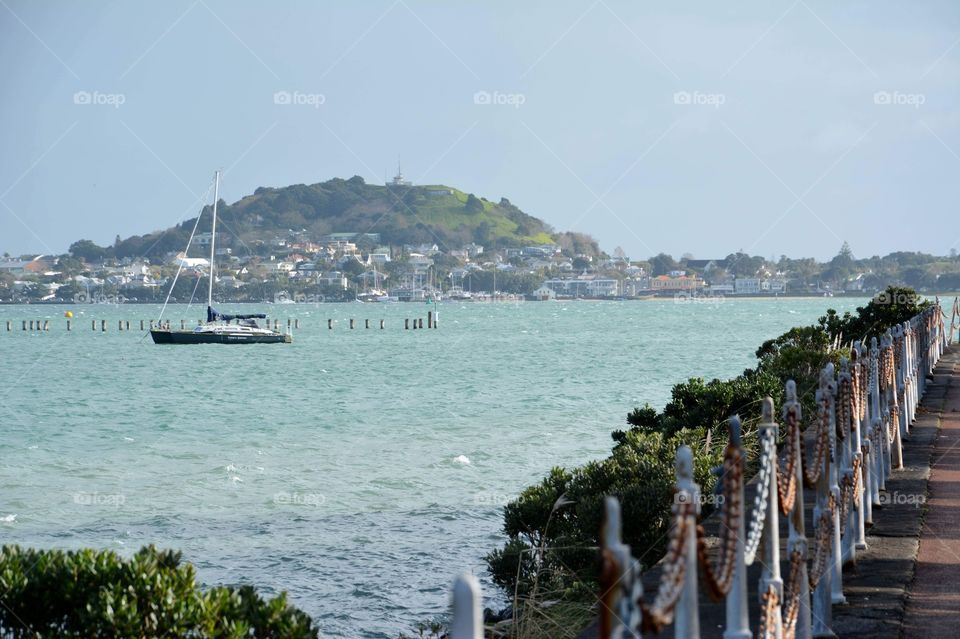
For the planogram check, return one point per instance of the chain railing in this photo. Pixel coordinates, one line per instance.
(864, 412)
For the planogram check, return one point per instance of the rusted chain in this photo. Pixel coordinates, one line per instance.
(660, 612)
(844, 414)
(791, 611)
(822, 545)
(717, 581)
(768, 613)
(786, 470)
(811, 472)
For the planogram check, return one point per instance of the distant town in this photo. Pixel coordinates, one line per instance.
(336, 267)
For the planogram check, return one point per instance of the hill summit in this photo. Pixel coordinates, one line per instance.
(399, 212)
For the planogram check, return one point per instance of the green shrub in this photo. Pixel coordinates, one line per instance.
(553, 527)
(96, 593)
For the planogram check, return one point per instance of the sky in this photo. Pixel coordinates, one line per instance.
(698, 128)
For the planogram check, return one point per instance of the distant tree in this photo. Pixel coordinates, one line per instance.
(473, 205)
(581, 263)
(87, 250)
(662, 264)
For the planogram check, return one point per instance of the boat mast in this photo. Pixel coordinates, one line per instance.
(213, 235)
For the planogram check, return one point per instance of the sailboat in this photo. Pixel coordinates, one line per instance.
(218, 329)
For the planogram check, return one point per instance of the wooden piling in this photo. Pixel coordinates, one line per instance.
(103, 326)
(183, 324)
(126, 325)
(68, 325)
(119, 325)
(296, 323)
(289, 322)
(381, 324)
(330, 324)
(46, 325)
(151, 325)
(141, 325)
(406, 324)
(93, 325)
(421, 322)
(9, 325)
(429, 319)
(25, 325)
(366, 323)
(351, 323)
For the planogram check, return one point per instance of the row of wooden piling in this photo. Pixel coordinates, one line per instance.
(124, 325)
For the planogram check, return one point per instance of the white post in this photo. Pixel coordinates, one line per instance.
(849, 542)
(865, 433)
(687, 617)
(770, 575)
(738, 619)
(822, 606)
(836, 556)
(859, 525)
(467, 615)
(797, 539)
(876, 446)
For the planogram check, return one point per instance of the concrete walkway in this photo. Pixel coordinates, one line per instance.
(933, 603)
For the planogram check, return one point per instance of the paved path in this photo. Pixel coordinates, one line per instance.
(933, 603)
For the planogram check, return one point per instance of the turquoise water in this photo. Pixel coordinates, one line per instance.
(358, 470)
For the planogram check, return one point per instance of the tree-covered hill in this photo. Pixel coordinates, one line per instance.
(399, 214)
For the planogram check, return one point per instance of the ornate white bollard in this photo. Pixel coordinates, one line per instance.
(467, 613)
(687, 618)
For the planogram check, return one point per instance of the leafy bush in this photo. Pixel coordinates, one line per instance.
(91, 593)
(554, 526)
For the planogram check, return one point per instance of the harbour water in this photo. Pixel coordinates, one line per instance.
(358, 470)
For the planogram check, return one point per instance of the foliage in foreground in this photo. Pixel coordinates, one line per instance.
(96, 593)
(553, 527)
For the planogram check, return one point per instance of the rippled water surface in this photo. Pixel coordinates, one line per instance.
(358, 470)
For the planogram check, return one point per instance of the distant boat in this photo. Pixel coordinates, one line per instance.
(218, 329)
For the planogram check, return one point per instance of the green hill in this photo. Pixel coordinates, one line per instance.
(400, 214)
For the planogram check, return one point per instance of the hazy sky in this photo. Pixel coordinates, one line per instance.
(700, 127)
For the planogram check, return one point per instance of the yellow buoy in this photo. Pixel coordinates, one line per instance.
(68, 314)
